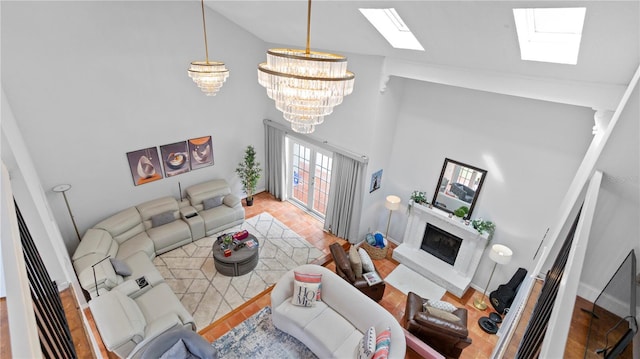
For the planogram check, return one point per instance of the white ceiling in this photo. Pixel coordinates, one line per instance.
(470, 35)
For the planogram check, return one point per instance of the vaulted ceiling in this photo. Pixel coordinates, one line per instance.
(470, 35)
(474, 37)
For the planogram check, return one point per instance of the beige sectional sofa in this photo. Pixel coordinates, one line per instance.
(137, 234)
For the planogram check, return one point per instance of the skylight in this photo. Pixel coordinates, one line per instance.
(550, 35)
(390, 25)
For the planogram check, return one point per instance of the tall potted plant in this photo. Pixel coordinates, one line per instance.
(249, 172)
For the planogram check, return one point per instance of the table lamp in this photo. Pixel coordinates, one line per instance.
(499, 254)
(392, 203)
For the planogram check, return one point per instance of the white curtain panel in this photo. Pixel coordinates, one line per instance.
(274, 161)
(345, 197)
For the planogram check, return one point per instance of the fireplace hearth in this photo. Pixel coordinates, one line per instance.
(441, 244)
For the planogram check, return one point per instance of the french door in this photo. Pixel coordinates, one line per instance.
(310, 176)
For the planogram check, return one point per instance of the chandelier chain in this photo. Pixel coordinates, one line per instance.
(204, 28)
(308, 50)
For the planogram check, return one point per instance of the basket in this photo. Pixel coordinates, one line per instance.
(374, 252)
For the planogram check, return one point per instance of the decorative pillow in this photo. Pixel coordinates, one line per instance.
(370, 239)
(304, 294)
(383, 342)
(212, 202)
(162, 219)
(438, 313)
(310, 278)
(367, 345)
(367, 263)
(120, 267)
(438, 304)
(356, 264)
(379, 240)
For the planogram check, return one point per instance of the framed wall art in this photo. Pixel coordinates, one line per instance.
(376, 181)
(175, 158)
(200, 152)
(144, 165)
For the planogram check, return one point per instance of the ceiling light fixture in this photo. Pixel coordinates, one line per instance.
(209, 76)
(306, 85)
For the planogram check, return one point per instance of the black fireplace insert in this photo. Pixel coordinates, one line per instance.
(441, 244)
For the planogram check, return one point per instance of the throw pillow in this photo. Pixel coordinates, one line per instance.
(212, 202)
(367, 345)
(439, 304)
(367, 263)
(383, 342)
(438, 313)
(356, 264)
(304, 294)
(310, 278)
(162, 219)
(120, 267)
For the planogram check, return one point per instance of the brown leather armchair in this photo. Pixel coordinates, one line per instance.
(447, 337)
(343, 269)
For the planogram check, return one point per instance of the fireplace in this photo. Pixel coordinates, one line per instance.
(441, 244)
(455, 275)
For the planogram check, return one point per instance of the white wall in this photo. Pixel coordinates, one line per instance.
(531, 150)
(107, 78)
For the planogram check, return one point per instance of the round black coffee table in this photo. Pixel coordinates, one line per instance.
(240, 262)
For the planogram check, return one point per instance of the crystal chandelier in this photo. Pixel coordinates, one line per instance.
(209, 76)
(305, 85)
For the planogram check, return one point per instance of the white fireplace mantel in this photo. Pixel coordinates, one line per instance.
(454, 278)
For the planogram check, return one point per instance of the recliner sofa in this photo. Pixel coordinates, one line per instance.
(152, 227)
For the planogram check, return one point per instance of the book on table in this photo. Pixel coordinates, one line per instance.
(372, 278)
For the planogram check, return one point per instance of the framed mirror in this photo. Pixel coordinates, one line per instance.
(459, 186)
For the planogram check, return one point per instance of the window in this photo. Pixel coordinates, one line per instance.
(550, 35)
(390, 25)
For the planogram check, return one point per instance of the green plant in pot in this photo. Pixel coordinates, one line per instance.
(461, 212)
(249, 172)
(483, 226)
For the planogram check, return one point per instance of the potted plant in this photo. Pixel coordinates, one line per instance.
(461, 212)
(483, 226)
(249, 172)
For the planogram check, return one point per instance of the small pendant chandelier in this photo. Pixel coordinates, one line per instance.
(209, 76)
(305, 85)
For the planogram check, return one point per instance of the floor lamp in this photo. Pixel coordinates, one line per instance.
(499, 254)
(63, 188)
(392, 203)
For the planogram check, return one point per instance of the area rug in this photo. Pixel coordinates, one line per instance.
(406, 280)
(256, 337)
(209, 295)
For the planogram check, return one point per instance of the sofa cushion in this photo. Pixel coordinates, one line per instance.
(138, 243)
(356, 263)
(331, 329)
(120, 267)
(123, 225)
(169, 236)
(95, 241)
(304, 293)
(163, 218)
(383, 342)
(310, 278)
(212, 202)
(439, 304)
(118, 319)
(367, 345)
(367, 263)
(199, 192)
(444, 315)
